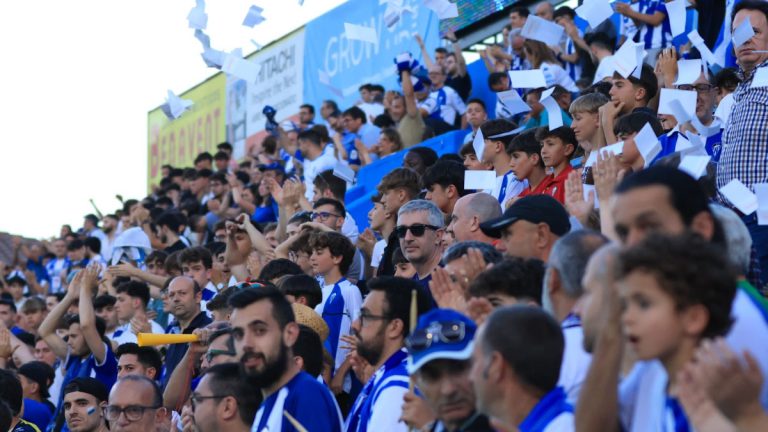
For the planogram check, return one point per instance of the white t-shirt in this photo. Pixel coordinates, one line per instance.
(575, 363)
(378, 252)
(353, 300)
(314, 167)
(349, 228)
(453, 105)
(124, 333)
(513, 189)
(372, 110)
(723, 111)
(554, 74)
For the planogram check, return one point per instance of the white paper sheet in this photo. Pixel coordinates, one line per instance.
(687, 99)
(704, 50)
(677, 16)
(542, 30)
(343, 171)
(360, 33)
(197, 18)
(647, 144)
(743, 33)
(553, 109)
(236, 65)
(175, 106)
(513, 102)
(479, 179)
(688, 71)
(527, 79)
(761, 191)
(740, 196)
(595, 12)
(442, 8)
(625, 60)
(253, 17)
(479, 144)
(616, 149)
(694, 165)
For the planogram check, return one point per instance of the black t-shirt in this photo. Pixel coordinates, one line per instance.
(462, 85)
(179, 245)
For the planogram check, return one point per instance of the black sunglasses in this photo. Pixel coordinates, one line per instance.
(448, 332)
(416, 229)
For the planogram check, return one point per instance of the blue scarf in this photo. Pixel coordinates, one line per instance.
(363, 407)
(333, 313)
(549, 407)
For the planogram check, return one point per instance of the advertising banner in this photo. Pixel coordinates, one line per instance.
(200, 129)
(278, 84)
(335, 66)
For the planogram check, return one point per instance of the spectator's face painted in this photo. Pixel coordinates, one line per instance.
(446, 386)
(82, 412)
(260, 342)
(43, 353)
(643, 210)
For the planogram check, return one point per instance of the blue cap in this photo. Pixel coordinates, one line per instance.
(440, 334)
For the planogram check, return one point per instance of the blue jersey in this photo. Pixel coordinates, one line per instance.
(306, 400)
(659, 36)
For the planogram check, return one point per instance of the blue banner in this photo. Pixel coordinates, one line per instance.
(334, 66)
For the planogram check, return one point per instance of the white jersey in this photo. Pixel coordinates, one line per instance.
(124, 333)
(576, 361)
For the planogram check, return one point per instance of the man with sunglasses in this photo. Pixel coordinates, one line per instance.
(440, 348)
(135, 405)
(420, 229)
(223, 401)
(380, 332)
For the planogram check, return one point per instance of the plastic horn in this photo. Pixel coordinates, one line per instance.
(152, 339)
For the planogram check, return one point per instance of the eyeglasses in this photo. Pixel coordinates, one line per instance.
(196, 399)
(370, 317)
(700, 88)
(448, 332)
(416, 229)
(132, 412)
(213, 353)
(323, 215)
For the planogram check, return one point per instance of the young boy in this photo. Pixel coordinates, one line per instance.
(527, 165)
(557, 147)
(444, 182)
(383, 223)
(496, 134)
(332, 255)
(586, 126)
(676, 291)
(469, 158)
(627, 127)
(628, 95)
(403, 268)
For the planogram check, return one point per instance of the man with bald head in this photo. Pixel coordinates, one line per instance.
(135, 405)
(184, 296)
(468, 213)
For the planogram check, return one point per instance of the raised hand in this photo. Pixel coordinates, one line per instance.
(140, 323)
(5, 343)
(577, 206)
(121, 270)
(366, 241)
(446, 292)
(478, 309)
(607, 173)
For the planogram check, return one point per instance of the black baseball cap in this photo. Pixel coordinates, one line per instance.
(40, 373)
(88, 385)
(532, 208)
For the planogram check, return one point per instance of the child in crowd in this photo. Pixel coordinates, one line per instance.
(626, 129)
(527, 165)
(557, 148)
(586, 125)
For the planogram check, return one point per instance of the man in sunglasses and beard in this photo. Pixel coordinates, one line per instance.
(380, 331)
(265, 331)
(420, 230)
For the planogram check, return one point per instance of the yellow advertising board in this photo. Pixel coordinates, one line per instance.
(200, 129)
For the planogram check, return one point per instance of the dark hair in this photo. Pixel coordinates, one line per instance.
(203, 173)
(33, 304)
(441, 50)
(226, 380)
(221, 155)
(302, 286)
(221, 299)
(75, 244)
(727, 79)
(690, 270)
(327, 181)
(564, 133)
(451, 157)
(171, 263)
(135, 289)
(171, 219)
(337, 205)
(467, 149)
(427, 155)
(356, 113)
(93, 244)
(397, 256)
(397, 292)
(204, 156)
(647, 80)
(196, 254)
(87, 385)
(309, 107)
(8, 302)
(10, 391)
(635, 121)
(496, 127)
(269, 144)
(279, 267)
(753, 5)
(520, 10)
(219, 177)
(216, 248)
(300, 217)
(6, 417)
(564, 11)
(225, 146)
(601, 39)
(457, 250)
(602, 87)
(282, 311)
(146, 355)
(445, 173)
(338, 244)
(101, 325)
(527, 143)
(331, 103)
(515, 277)
(309, 347)
(311, 136)
(496, 78)
(400, 178)
(530, 341)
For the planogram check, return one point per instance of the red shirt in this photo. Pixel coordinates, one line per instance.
(556, 186)
(540, 189)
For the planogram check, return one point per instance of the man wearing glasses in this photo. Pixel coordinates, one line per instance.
(135, 405)
(223, 401)
(379, 333)
(420, 229)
